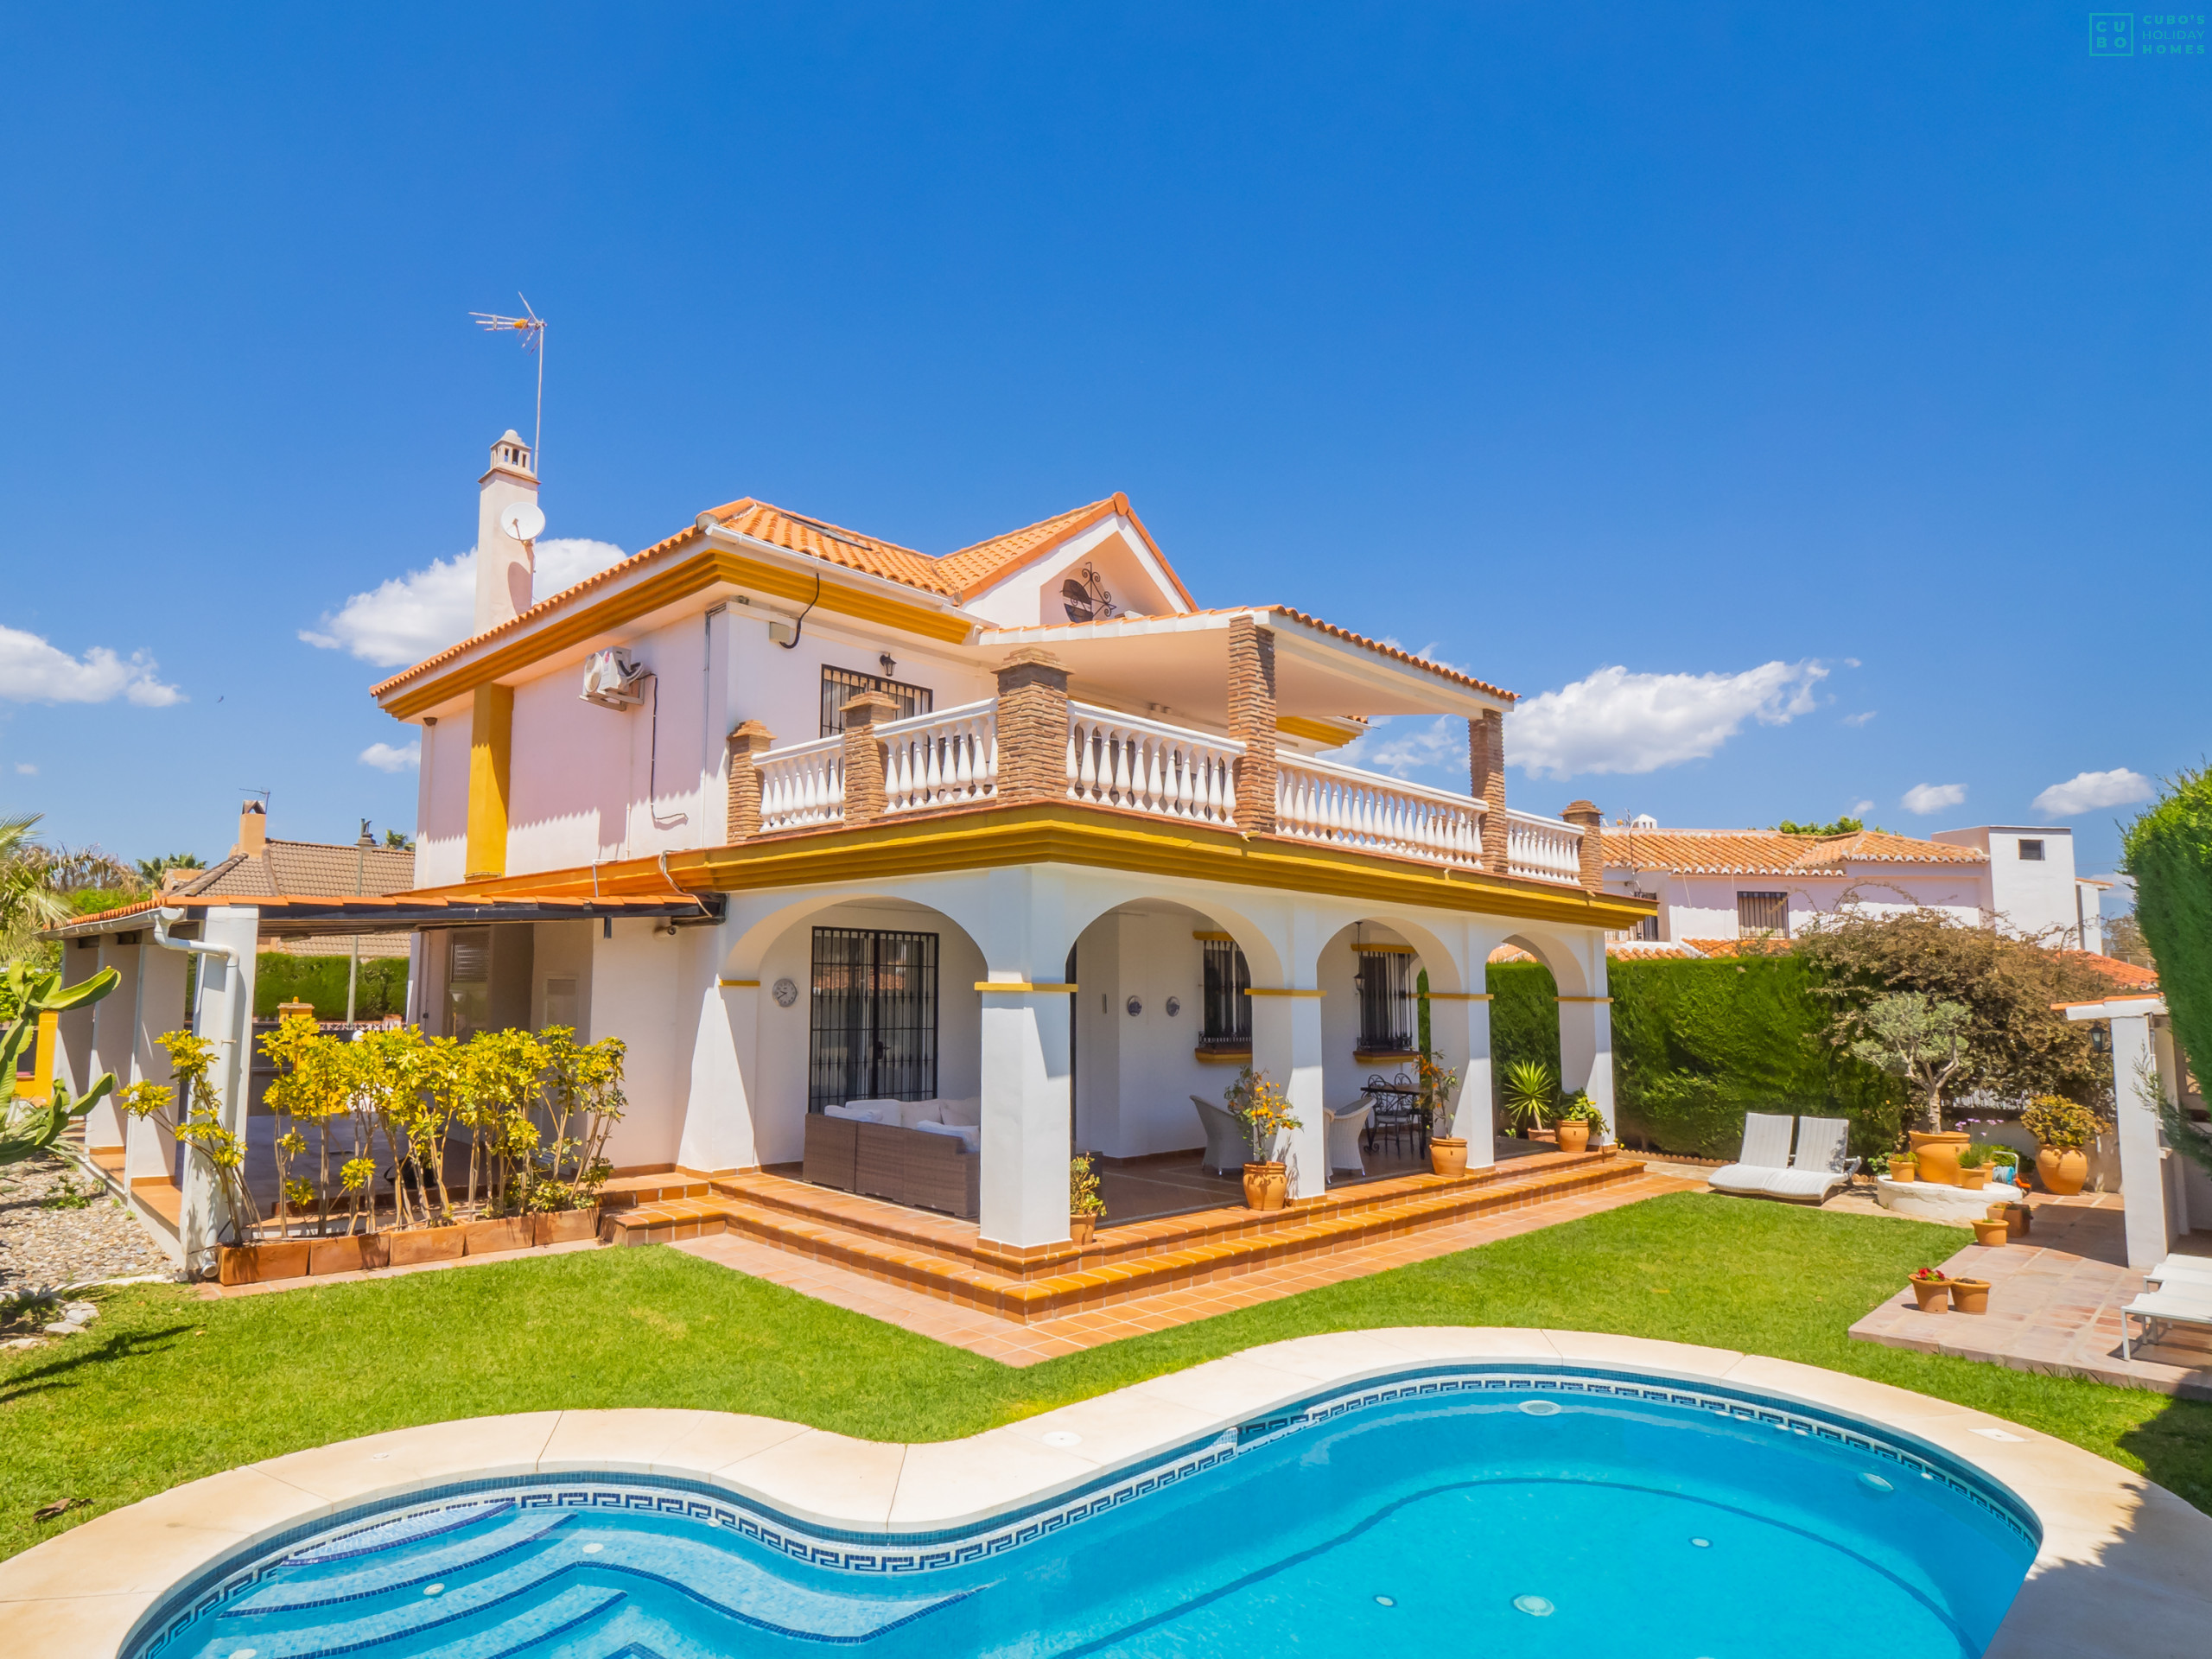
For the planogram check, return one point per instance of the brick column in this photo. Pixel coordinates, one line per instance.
(864, 755)
(1586, 813)
(746, 742)
(1032, 722)
(1486, 783)
(1252, 722)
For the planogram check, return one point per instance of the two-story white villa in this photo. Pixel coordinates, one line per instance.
(809, 817)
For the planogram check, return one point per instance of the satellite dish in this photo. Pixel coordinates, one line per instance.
(522, 521)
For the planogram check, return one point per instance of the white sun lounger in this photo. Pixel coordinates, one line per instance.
(2174, 1305)
(1766, 1168)
(2183, 1270)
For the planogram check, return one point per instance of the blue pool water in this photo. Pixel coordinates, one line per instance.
(1459, 1510)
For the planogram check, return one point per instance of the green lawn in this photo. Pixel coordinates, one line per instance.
(167, 1387)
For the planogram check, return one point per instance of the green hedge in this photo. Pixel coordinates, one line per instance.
(2169, 856)
(1696, 1045)
(321, 981)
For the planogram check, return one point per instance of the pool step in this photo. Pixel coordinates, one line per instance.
(943, 1259)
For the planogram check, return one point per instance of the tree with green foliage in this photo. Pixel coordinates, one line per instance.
(1923, 1041)
(29, 1128)
(151, 870)
(1837, 827)
(2169, 852)
(28, 900)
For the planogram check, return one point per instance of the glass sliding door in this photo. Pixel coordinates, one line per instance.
(872, 1025)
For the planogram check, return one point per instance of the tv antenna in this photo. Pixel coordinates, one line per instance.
(531, 328)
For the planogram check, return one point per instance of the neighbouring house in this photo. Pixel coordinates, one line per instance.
(1723, 885)
(261, 867)
(1020, 843)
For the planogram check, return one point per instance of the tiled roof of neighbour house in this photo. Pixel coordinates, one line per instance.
(2127, 975)
(1739, 947)
(374, 946)
(1768, 852)
(1618, 951)
(305, 867)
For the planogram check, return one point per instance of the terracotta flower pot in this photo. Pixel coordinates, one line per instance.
(412, 1244)
(257, 1264)
(507, 1233)
(1991, 1232)
(2062, 1171)
(564, 1226)
(1549, 1137)
(336, 1255)
(1973, 1179)
(2019, 1219)
(1265, 1186)
(1938, 1155)
(1448, 1154)
(1970, 1295)
(1902, 1169)
(1573, 1136)
(1934, 1295)
(1082, 1229)
(376, 1251)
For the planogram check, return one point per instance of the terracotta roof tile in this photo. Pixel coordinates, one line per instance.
(300, 867)
(2126, 974)
(1768, 852)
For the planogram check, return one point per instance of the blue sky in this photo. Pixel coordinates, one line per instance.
(1838, 378)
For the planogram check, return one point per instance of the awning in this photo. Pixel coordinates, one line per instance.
(295, 915)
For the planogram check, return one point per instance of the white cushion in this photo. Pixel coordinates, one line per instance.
(1741, 1178)
(969, 1111)
(1821, 1143)
(1801, 1183)
(970, 1138)
(1766, 1140)
(857, 1111)
(912, 1114)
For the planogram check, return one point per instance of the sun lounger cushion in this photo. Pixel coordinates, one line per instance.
(1802, 1183)
(2181, 1270)
(1820, 1143)
(1766, 1140)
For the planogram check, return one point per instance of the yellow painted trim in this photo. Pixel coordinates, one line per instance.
(491, 746)
(1222, 1055)
(1582, 999)
(1314, 731)
(1366, 1056)
(739, 984)
(1385, 951)
(1455, 997)
(49, 1034)
(1223, 938)
(1023, 985)
(566, 630)
(1066, 833)
(1262, 991)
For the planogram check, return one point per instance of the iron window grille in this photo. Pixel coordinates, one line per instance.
(872, 1017)
(1385, 980)
(1763, 915)
(841, 685)
(1227, 1022)
(2031, 850)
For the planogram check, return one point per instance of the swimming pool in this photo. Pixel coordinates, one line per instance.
(1509, 1510)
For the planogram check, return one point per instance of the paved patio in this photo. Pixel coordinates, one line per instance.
(2053, 1306)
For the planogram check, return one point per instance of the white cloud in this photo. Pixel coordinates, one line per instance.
(385, 758)
(419, 614)
(1861, 719)
(2085, 792)
(1615, 721)
(1443, 742)
(1924, 799)
(32, 671)
(1860, 809)
(26, 768)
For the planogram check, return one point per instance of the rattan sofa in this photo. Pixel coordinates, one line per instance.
(885, 1161)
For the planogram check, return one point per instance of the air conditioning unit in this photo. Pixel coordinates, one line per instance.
(613, 681)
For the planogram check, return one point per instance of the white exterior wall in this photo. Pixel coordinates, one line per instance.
(441, 801)
(1032, 594)
(642, 992)
(1704, 906)
(1137, 1073)
(2030, 895)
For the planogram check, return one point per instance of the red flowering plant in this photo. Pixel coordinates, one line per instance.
(1932, 1277)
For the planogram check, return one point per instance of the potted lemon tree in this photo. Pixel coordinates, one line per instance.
(1264, 1112)
(1084, 1205)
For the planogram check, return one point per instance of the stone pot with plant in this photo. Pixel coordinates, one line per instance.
(1970, 1295)
(1579, 1119)
(1531, 1090)
(2062, 1129)
(1264, 1112)
(1931, 1290)
(1084, 1205)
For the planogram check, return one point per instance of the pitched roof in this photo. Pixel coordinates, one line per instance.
(305, 867)
(1768, 852)
(2127, 975)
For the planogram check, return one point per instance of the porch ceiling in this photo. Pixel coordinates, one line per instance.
(299, 916)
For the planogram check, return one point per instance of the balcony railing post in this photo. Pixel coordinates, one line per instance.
(1252, 722)
(1032, 727)
(1585, 815)
(1486, 783)
(863, 755)
(746, 741)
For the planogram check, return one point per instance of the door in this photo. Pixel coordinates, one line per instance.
(872, 1017)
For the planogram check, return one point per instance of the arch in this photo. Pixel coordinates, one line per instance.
(1570, 973)
(1261, 954)
(742, 954)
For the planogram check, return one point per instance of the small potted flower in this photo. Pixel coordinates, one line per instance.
(1578, 1119)
(1085, 1205)
(1904, 1168)
(1931, 1290)
(1991, 1229)
(1970, 1295)
(1264, 1111)
(1973, 1173)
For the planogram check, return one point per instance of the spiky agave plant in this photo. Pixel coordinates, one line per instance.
(1531, 1091)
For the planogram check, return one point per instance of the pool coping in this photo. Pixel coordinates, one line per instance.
(2122, 1570)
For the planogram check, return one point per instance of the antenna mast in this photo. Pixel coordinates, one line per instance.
(531, 328)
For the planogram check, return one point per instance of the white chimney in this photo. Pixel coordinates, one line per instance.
(504, 569)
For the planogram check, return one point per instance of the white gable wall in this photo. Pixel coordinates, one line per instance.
(2032, 895)
(1030, 595)
(441, 802)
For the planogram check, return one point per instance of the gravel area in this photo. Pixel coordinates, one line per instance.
(39, 1246)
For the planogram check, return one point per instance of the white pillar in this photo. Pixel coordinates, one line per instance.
(2142, 1156)
(1287, 1047)
(156, 1008)
(72, 1050)
(1027, 1144)
(223, 1015)
(1458, 1026)
(718, 1128)
(114, 1024)
(1586, 1053)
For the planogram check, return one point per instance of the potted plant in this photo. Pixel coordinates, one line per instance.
(1903, 1167)
(1970, 1295)
(1265, 1114)
(1987, 1230)
(1531, 1090)
(1924, 1042)
(1085, 1205)
(1447, 1153)
(1973, 1174)
(2061, 1127)
(1931, 1290)
(1579, 1119)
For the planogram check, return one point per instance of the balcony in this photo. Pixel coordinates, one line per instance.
(1103, 758)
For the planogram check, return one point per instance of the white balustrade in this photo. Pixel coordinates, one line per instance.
(1126, 761)
(1343, 806)
(941, 759)
(802, 786)
(1550, 849)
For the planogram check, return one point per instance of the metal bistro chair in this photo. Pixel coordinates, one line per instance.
(1397, 1113)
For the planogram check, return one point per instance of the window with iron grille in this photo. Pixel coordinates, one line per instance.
(1386, 1001)
(1763, 913)
(1227, 1021)
(1648, 928)
(841, 685)
(872, 1017)
(2031, 850)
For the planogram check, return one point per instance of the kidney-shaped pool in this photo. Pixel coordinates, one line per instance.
(1500, 1512)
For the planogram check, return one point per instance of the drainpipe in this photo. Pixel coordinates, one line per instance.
(229, 1094)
